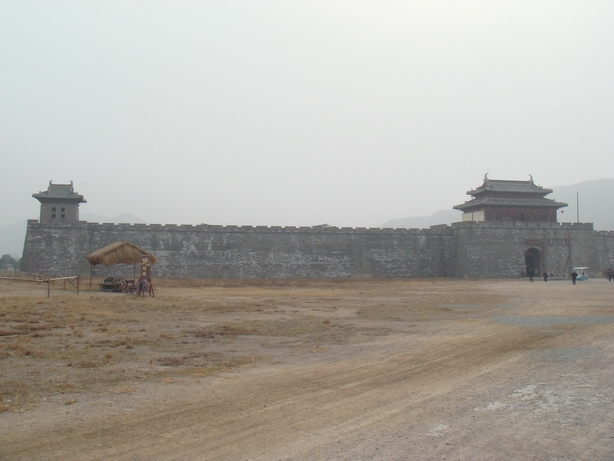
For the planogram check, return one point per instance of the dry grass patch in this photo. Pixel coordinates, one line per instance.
(428, 298)
(123, 389)
(222, 330)
(225, 365)
(105, 342)
(291, 283)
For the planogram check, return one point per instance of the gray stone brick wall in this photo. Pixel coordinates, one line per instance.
(465, 249)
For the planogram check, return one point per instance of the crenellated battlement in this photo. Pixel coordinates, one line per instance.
(231, 228)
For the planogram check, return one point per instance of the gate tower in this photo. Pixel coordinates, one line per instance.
(516, 201)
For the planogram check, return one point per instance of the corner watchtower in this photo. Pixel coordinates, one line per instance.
(59, 202)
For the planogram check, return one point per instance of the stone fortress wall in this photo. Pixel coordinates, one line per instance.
(464, 249)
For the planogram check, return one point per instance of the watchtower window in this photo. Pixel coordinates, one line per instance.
(63, 209)
(52, 208)
(53, 216)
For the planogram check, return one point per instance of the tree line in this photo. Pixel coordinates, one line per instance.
(7, 262)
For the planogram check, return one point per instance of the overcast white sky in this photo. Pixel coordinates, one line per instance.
(349, 113)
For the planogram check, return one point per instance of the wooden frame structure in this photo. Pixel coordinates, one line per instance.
(48, 281)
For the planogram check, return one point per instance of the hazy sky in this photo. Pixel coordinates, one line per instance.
(349, 113)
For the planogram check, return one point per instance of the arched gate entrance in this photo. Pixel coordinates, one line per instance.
(533, 260)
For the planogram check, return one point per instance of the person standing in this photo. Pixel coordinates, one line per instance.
(546, 276)
(610, 273)
(531, 275)
(574, 276)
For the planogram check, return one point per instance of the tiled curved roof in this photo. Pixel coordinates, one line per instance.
(497, 185)
(59, 191)
(511, 202)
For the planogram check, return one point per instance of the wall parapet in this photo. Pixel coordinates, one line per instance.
(92, 226)
(521, 225)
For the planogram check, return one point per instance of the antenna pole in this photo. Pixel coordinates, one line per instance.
(577, 207)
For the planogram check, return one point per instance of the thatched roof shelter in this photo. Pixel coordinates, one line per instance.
(119, 253)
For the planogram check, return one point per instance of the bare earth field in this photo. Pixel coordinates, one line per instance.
(309, 370)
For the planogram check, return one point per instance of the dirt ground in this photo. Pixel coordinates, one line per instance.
(309, 370)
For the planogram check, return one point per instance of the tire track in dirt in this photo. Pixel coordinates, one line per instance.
(335, 397)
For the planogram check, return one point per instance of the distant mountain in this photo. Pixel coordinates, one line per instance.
(423, 222)
(594, 198)
(595, 202)
(122, 218)
(13, 237)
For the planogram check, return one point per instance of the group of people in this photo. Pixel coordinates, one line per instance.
(532, 274)
(574, 275)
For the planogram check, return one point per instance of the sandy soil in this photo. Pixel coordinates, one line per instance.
(369, 370)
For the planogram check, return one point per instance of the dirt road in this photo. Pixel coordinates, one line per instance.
(373, 371)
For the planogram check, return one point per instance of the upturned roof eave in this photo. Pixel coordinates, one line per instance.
(510, 186)
(44, 197)
(490, 202)
(528, 189)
